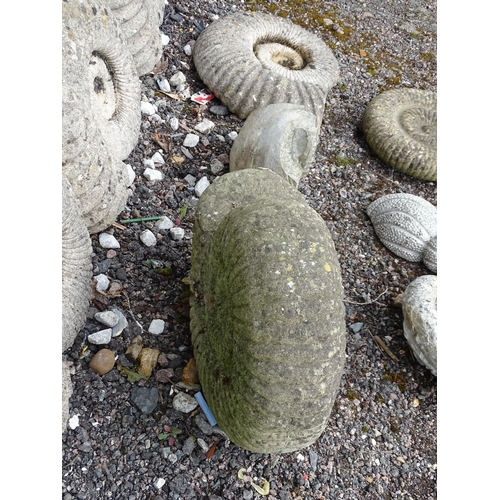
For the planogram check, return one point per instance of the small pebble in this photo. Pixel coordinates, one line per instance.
(152, 174)
(188, 446)
(156, 327)
(190, 179)
(188, 50)
(131, 175)
(216, 167)
(219, 109)
(177, 233)
(108, 318)
(174, 123)
(158, 158)
(232, 136)
(148, 238)
(191, 140)
(145, 398)
(147, 108)
(205, 126)
(102, 362)
(201, 185)
(74, 422)
(184, 403)
(164, 39)
(203, 445)
(177, 79)
(149, 163)
(111, 254)
(102, 282)
(356, 327)
(163, 85)
(107, 240)
(101, 337)
(164, 223)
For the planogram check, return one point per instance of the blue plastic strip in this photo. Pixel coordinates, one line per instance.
(206, 410)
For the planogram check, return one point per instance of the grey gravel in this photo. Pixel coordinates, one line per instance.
(381, 440)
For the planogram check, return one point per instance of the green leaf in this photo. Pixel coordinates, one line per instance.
(183, 211)
(131, 375)
(175, 431)
(163, 436)
(165, 271)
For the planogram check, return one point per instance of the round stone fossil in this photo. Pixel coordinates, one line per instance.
(267, 313)
(400, 125)
(253, 59)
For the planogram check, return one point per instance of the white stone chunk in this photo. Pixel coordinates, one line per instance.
(201, 185)
(191, 140)
(160, 482)
(148, 238)
(102, 282)
(101, 337)
(107, 240)
(158, 158)
(205, 126)
(184, 403)
(177, 79)
(164, 223)
(156, 327)
(163, 84)
(107, 318)
(152, 174)
(131, 175)
(188, 50)
(232, 135)
(164, 39)
(174, 123)
(74, 422)
(177, 233)
(147, 108)
(149, 163)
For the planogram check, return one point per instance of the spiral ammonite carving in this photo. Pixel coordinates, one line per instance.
(250, 60)
(400, 125)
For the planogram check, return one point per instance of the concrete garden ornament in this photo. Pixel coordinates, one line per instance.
(406, 225)
(400, 125)
(419, 303)
(267, 313)
(250, 60)
(281, 137)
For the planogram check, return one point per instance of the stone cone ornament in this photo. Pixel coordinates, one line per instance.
(249, 60)
(267, 312)
(400, 125)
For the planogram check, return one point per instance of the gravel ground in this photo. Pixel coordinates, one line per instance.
(380, 442)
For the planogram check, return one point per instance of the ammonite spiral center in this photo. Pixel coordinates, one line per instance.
(102, 83)
(420, 124)
(274, 55)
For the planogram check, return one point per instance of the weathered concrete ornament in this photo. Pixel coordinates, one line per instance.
(253, 59)
(407, 225)
(267, 313)
(281, 137)
(400, 125)
(419, 303)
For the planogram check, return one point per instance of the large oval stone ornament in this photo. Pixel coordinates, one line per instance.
(267, 312)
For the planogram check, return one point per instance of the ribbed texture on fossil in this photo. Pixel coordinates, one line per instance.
(76, 266)
(253, 59)
(406, 225)
(419, 302)
(267, 313)
(400, 125)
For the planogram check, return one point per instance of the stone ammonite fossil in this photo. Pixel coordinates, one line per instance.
(101, 88)
(253, 59)
(407, 225)
(400, 125)
(419, 303)
(267, 313)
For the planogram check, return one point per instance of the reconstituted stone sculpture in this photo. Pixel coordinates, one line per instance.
(267, 313)
(419, 303)
(400, 125)
(252, 59)
(407, 225)
(281, 137)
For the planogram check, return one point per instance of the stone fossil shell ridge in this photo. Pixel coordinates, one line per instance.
(400, 125)
(419, 303)
(268, 321)
(253, 59)
(407, 225)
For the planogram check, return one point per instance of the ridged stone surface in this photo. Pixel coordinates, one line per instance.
(407, 225)
(400, 125)
(76, 267)
(281, 137)
(254, 59)
(419, 302)
(267, 313)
